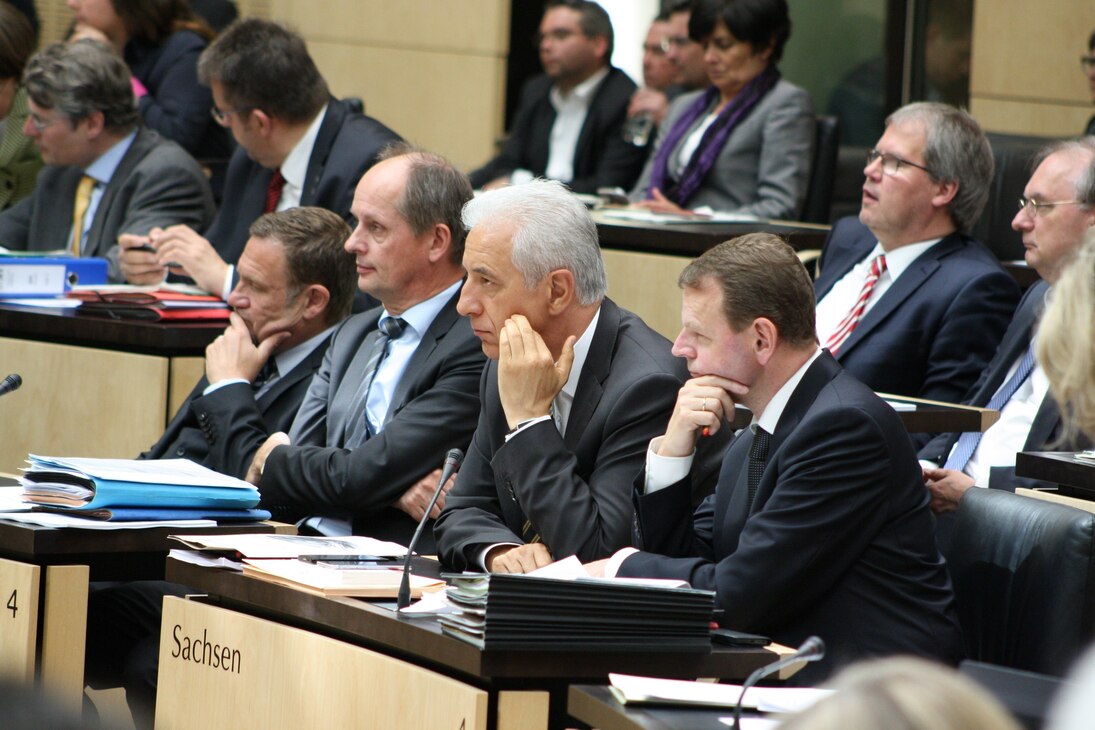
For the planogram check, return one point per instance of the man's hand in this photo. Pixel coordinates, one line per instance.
(233, 355)
(415, 499)
(651, 101)
(192, 255)
(254, 472)
(596, 569)
(139, 266)
(528, 377)
(658, 203)
(947, 487)
(702, 403)
(518, 558)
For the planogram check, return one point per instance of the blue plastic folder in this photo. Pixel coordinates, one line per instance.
(148, 514)
(47, 276)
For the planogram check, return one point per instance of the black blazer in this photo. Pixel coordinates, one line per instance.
(347, 145)
(601, 159)
(194, 433)
(839, 541)
(932, 332)
(573, 488)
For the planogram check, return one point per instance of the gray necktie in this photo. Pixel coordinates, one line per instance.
(389, 329)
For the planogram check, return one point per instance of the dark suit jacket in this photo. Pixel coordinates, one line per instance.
(347, 146)
(1045, 429)
(194, 433)
(839, 541)
(601, 159)
(434, 409)
(573, 488)
(156, 184)
(932, 332)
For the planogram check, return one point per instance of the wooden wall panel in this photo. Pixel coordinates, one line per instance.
(646, 284)
(1026, 117)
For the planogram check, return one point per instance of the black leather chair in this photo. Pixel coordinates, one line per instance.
(819, 194)
(1024, 577)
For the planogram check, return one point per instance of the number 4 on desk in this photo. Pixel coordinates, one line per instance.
(13, 604)
(19, 623)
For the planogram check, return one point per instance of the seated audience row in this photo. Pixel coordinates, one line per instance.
(19, 159)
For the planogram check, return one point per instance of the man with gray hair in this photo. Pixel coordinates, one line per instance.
(1056, 210)
(575, 389)
(105, 175)
(907, 301)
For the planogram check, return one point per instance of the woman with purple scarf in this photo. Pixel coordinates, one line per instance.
(745, 144)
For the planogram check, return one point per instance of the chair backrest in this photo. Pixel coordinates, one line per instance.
(1024, 579)
(819, 194)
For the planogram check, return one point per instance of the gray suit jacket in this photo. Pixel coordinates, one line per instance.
(764, 167)
(156, 184)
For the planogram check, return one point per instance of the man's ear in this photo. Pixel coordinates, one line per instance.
(944, 193)
(561, 292)
(95, 122)
(440, 243)
(316, 299)
(765, 338)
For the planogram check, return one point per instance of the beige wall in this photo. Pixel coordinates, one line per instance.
(1025, 76)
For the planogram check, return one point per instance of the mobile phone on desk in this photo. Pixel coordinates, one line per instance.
(730, 637)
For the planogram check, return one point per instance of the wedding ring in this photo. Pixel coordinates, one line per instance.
(704, 407)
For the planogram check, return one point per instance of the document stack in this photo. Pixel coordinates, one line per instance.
(126, 489)
(530, 612)
(155, 306)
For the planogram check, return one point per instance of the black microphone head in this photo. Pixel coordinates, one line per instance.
(454, 458)
(10, 383)
(812, 649)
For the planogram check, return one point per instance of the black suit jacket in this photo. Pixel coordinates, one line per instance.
(601, 159)
(194, 433)
(434, 409)
(839, 541)
(574, 488)
(934, 330)
(347, 145)
(1046, 427)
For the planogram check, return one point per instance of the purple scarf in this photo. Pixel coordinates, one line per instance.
(703, 159)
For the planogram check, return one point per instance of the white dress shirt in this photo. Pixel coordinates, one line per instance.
(571, 111)
(285, 361)
(101, 170)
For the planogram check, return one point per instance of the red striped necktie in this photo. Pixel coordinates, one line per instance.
(848, 324)
(273, 192)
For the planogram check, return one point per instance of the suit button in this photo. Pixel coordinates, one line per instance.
(180, 451)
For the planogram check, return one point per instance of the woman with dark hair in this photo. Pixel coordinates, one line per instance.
(160, 41)
(745, 144)
(19, 160)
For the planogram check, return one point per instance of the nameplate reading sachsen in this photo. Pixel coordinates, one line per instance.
(199, 650)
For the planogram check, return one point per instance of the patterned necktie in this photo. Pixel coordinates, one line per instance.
(390, 328)
(273, 192)
(79, 211)
(758, 458)
(878, 265)
(266, 376)
(968, 441)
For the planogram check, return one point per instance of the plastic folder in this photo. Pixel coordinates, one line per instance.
(47, 276)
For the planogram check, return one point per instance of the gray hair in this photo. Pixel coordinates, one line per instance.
(1084, 185)
(552, 230)
(956, 150)
(76, 79)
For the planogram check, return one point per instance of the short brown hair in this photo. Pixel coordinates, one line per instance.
(313, 239)
(760, 276)
(16, 42)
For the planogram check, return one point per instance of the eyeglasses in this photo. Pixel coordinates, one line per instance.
(40, 125)
(1035, 209)
(221, 116)
(658, 49)
(1087, 63)
(892, 163)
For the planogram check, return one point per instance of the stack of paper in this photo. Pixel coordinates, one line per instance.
(629, 689)
(533, 612)
(156, 305)
(380, 582)
(126, 489)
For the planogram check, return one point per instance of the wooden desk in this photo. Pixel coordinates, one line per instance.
(44, 574)
(91, 386)
(525, 689)
(1077, 478)
(929, 417)
(597, 707)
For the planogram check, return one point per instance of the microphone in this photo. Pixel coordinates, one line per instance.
(452, 463)
(811, 650)
(10, 383)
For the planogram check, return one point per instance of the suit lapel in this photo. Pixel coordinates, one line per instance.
(834, 271)
(597, 366)
(304, 370)
(317, 161)
(423, 354)
(348, 401)
(1016, 340)
(136, 152)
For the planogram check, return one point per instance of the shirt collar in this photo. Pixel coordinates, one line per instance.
(295, 167)
(296, 354)
(772, 412)
(581, 350)
(902, 257)
(421, 315)
(102, 170)
(583, 92)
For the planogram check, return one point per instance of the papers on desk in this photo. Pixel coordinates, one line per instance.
(629, 689)
(381, 582)
(1085, 457)
(52, 519)
(290, 546)
(11, 500)
(900, 406)
(45, 302)
(638, 215)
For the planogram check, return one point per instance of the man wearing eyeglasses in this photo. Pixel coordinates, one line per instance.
(907, 301)
(297, 146)
(1056, 210)
(105, 175)
(569, 122)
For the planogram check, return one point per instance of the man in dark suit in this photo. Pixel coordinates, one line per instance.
(575, 389)
(569, 121)
(387, 404)
(105, 175)
(819, 523)
(907, 302)
(297, 146)
(1058, 208)
(296, 283)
